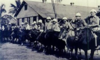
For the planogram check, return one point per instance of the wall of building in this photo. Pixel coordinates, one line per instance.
(27, 14)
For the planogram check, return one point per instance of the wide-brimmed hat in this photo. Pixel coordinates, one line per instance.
(22, 23)
(9, 23)
(93, 10)
(78, 14)
(40, 21)
(64, 18)
(48, 18)
(34, 22)
(54, 20)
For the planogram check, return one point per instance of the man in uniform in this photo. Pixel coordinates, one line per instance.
(93, 20)
(3, 33)
(55, 25)
(26, 31)
(48, 24)
(21, 33)
(34, 25)
(55, 30)
(65, 27)
(16, 35)
(27, 26)
(98, 12)
(22, 26)
(33, 32)
(78, 23)
(40, 26)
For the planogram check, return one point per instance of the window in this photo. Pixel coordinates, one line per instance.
(26, 7)
(34, 18)
(28, 20)
(22, 19)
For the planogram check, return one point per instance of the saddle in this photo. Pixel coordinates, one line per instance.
(86, 36)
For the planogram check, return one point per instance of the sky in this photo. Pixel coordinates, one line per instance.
(89, 3)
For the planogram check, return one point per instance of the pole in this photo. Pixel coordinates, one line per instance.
(53, 5)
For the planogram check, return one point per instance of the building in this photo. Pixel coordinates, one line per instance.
(30, 11)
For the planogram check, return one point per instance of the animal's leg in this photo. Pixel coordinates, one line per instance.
(80, 52)
(76, 51)
(86, 55)
(92, 54)
(71, 51)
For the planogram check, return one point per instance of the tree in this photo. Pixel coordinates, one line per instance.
(2, 9)
(5, 19)
(15, 7)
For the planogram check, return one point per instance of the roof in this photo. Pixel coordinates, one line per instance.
(46, 9)
(13, 21)
(27, 13)
(21, 13)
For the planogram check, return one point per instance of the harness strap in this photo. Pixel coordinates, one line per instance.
(39, 36)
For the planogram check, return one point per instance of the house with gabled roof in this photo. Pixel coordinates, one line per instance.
(30, 11)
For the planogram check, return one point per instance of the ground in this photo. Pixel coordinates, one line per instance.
(10, 51)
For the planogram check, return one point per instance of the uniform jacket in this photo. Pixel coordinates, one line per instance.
(79, 23)
(92, 20)
(55, 27)
(48, 25)
(40, 27)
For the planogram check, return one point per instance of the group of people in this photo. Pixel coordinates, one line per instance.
(66, 26)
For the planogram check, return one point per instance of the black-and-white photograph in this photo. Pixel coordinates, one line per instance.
(49, 29)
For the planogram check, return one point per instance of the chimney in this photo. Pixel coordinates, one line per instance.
(72, 3)
(44, 1)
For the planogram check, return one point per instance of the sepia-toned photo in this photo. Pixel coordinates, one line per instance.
(49, 29)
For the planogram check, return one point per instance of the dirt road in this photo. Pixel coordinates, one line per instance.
(9, 51)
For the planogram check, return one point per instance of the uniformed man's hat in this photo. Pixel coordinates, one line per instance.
(54, 20)
(9, 23)
(34, 22)
(40, 21)
(93, 10)
(78, 14)
(26, 23)
(48, 18)
(64, 18)
(22, 23)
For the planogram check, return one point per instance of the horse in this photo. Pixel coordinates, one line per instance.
(8, 33)
(15, 35)
(33, 34)
(53, 41)
(25, 38)
(86, 42)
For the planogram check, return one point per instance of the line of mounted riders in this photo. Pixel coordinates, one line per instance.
(67, 33)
